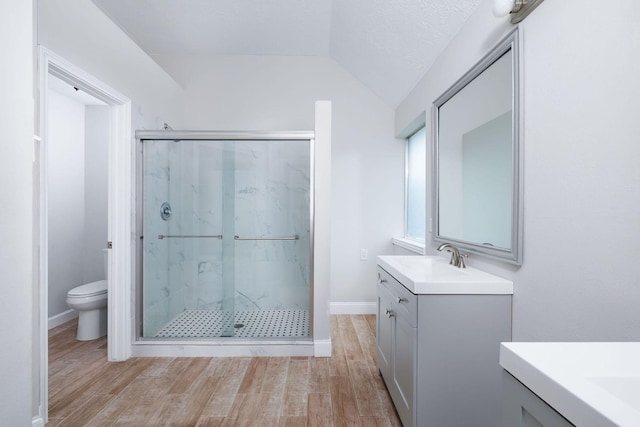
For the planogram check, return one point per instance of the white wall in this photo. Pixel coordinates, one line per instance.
(96, 175)
(66, 204)
(580, 275)
(78, 152)
(278, 93)
(16, 193)
(81, 33)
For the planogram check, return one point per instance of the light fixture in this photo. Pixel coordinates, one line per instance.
(519, 9)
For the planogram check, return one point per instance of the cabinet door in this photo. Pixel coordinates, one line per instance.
(403, 362)
(383, 333)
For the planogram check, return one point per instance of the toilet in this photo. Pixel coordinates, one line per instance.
(90, 300)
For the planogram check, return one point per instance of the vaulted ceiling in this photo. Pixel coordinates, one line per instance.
(386, 44)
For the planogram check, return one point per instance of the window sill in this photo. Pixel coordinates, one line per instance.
(409, 244)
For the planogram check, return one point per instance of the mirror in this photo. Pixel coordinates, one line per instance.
(477, 163)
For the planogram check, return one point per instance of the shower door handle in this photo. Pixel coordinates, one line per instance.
(294, 237)
(189, 236)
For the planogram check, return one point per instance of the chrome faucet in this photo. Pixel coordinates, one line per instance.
(457, 258)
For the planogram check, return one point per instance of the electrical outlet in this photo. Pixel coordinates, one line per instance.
(364, 254)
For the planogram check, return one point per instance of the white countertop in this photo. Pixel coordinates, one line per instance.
(592, 384)
(434, 275)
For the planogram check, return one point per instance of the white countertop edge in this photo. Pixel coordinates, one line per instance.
(573, 396)
(462, 289)
(487, 284)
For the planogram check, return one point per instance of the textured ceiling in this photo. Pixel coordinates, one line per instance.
(387, 45)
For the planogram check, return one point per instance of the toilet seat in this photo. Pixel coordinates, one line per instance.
(89, 290)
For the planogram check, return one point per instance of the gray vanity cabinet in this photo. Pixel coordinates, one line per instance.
(438, 354)
(397, 337)
(522, 407)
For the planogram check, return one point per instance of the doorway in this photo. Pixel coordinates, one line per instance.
(54, 70)
(77, 152)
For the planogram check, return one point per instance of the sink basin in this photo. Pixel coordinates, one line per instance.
(434, 275)
(592, 384)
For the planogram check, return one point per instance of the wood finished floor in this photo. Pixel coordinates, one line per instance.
(343, 390)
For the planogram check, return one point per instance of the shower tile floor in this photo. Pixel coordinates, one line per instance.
(246, 324)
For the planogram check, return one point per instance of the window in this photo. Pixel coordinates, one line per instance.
(415, 186)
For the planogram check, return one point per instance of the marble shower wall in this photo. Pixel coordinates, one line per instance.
(266, 187)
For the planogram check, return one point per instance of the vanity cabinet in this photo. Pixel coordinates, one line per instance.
(438, 354)
(397, 339)
(522, 407)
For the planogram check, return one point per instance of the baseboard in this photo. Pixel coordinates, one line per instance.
(37, 421)
(353, 308)
(61, 318)
(322, 348)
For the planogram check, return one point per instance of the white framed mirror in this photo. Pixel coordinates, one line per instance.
(477, 157)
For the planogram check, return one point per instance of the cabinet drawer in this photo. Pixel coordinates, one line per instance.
(405, 304)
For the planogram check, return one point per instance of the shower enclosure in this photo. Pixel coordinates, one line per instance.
(225, 236)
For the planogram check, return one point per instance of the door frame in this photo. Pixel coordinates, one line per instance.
(120, 214)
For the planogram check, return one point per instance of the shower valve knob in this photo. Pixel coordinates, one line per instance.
(165, 211)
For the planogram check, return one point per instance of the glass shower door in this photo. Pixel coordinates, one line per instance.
(272, 238)
(226, 245)
(184, 294)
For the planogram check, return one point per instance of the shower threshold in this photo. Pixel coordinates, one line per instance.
(243, 324)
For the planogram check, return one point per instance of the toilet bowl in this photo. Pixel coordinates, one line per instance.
(90, 300)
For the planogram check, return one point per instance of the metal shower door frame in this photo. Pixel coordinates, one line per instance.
(191, 135)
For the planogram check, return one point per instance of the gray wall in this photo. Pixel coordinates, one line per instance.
(580, 279)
